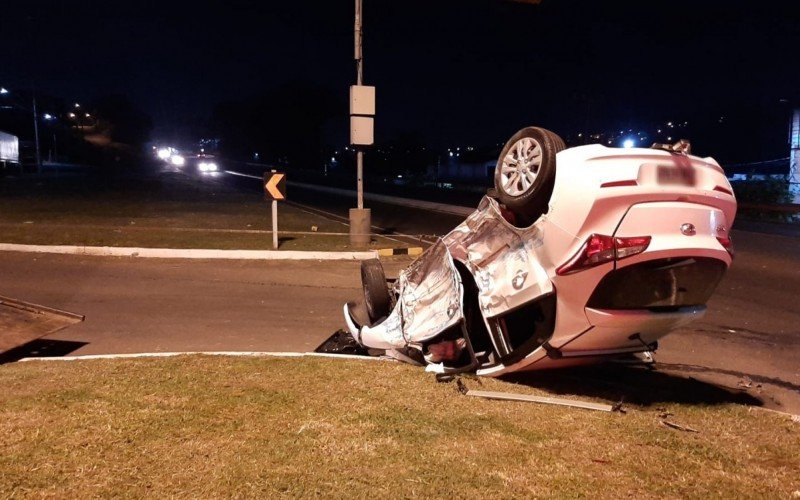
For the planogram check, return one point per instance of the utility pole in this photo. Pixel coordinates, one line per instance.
(359, 81)
(362, 112)
(794, 156)
(36, 137)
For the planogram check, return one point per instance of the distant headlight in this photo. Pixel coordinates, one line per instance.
(178, 160)
(207, 166)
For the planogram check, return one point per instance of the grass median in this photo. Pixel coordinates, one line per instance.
(174, 211)
(199, 426)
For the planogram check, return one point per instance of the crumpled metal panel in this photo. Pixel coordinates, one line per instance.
(430, 295)
(502, 258)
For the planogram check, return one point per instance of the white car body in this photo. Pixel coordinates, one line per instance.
(541, 313)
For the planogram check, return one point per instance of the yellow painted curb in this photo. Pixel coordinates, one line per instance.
(413, 251)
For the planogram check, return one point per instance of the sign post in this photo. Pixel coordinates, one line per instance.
(275, 224)
(275, 190)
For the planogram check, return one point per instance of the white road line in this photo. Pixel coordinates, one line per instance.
(392, 200)
(188, 253)
(277, 354)
(244, 175)
(177, 229)
(308, 210)
(250, 176)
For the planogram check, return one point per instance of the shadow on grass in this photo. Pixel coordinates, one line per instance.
(41, 348)
(632, 384)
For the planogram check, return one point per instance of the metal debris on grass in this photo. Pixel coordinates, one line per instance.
(679, 427)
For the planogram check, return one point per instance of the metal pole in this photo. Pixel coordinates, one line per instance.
(275, 224)
(36, 138)
(794, 156)
(359, 80)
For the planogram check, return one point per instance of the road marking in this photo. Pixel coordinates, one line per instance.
(413, 251)
(386, 199)
(242, 175)
(273, 354)
(312, 210)
(177, 229)
(188, 253)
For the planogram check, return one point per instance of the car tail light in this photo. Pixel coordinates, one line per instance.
(726, 243)
(631, 246)
(599, 249)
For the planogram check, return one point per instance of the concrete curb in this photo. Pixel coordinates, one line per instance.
(412, 252)
(187, 253)
(251, 354)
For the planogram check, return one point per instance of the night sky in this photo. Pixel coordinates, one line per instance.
(456, 71)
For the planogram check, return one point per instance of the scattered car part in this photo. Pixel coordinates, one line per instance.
(679, 427)
(682, 146)
(507, 396)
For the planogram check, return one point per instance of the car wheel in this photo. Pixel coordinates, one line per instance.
(376, 294)
(526, 171)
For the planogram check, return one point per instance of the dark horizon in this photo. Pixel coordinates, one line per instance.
(456, 72)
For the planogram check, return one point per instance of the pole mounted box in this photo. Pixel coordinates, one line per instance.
(362, 112)
(362, 131)
(362, 100)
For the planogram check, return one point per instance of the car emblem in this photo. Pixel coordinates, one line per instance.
(688, 229)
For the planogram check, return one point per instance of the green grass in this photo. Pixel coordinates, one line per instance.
(198, 426)
(172, 212)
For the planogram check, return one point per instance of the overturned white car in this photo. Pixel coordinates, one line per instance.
(578, 255)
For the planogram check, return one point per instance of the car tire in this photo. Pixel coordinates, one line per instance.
(377, 300)
(526, 171)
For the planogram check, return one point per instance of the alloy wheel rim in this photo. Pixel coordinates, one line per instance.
(520, 166)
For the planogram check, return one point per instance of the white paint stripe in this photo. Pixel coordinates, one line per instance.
(176, 229)
(188, 253)
(310, 210)
(392, 200)
(205, 353)
(243, 175)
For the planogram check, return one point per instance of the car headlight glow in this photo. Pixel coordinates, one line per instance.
(163, 153)
(207, 166)
(177, 160)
